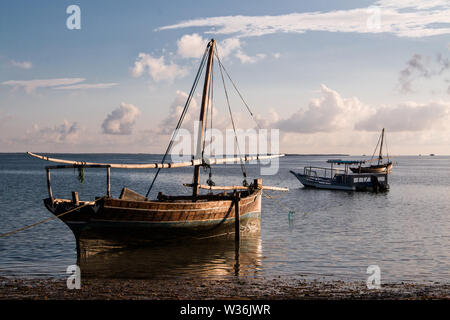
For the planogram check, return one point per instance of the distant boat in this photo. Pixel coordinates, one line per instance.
(431, 154)
(338, 179)
(381, 166)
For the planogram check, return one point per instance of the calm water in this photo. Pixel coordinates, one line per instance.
(332, 235)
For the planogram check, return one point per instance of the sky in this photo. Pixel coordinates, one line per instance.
(329, 75)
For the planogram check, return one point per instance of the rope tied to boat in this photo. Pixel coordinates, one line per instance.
(279, 203)
(48, 219)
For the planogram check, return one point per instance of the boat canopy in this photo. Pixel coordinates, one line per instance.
(339, 161)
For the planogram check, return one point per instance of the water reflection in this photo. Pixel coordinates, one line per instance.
(215, 258)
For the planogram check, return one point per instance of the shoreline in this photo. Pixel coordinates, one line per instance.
(247, 288)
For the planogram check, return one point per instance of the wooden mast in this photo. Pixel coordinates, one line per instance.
(380, 157)
(195, 185)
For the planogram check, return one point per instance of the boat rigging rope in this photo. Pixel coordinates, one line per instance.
(376, 147)
(210, 106)
(48, 219)
(387, 151)
(244, 173)
(238, 92)
(183, 114)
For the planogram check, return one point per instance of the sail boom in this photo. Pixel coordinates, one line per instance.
(207, 187)
(195, 162)
(212, 161)
(122, 165)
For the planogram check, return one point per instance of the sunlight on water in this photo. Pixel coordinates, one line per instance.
(332, 234)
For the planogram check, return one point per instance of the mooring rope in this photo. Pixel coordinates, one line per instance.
(46, 220)
(277, 202)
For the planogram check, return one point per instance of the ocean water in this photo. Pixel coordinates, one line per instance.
(332, 235)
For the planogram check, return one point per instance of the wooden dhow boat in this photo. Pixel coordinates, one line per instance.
(381, 166)
(133, 218)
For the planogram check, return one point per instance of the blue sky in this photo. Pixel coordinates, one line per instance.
(314, 70)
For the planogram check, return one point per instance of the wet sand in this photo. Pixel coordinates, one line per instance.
(213, 289)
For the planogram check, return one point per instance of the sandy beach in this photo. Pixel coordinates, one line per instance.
(212, 289)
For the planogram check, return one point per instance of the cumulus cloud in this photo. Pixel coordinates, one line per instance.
(22, 64)
(333, 113)
(328, 113)
(157, 68)
(420, 66)
(221, 119)
(228, 46)
(121, 120)
(247, 59)
(191, 46)
(169, 123)
(64, 133)
(409, 18)
(407, 117)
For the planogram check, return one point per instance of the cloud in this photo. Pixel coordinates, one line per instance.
(420, 66)
(59, 84)
(408, 18)
(221, 120)
(22, 64)
(412, 4)
(87, 86)
(328, 113)
(5, 118)
(121, 120)
(228, 46)
(169, 123)
(333, 113)
(63, 133)
(407, 117)
(334, 124)
(157, 68)
(191, 46)
(247, 59)
(233, 47)
(31, 85)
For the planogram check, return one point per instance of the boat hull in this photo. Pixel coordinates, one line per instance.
(134, 222)
(382, 168)
(321, 183)
(344, 182)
